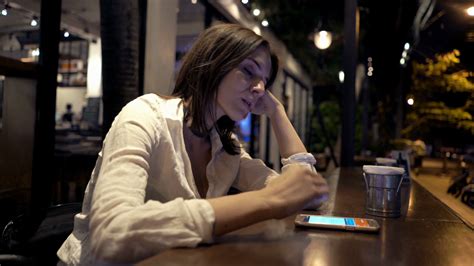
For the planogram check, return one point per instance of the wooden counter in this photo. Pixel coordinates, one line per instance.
(427, 233)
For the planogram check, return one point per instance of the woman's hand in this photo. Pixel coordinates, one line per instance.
(294, 190)
(267, 104)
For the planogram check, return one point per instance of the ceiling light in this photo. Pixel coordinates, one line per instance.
(35, 52)
(265, 23)
(34, 22)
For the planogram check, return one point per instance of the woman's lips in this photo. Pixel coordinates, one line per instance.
(248, 104)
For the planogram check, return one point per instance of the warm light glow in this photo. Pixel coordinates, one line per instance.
(323, 39)
(4, 12)
(194, 2)
(256, 12)
(35, 52)
(404, 54)
(245, 2)
(257, 30)
(94, 70)
(66, 34)
(265, 23)
(402, 61)
(341, 76)
(470, 11)
(407, 46)
(34, 23)
(410, 101)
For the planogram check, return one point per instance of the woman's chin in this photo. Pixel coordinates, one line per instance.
(238, 117)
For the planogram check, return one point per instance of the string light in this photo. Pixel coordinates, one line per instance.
(256, 12)
(5, 11)
(341, 76)
(370, 68)
(245, 2)
(265, 23)
(66, 34)
(406, 46)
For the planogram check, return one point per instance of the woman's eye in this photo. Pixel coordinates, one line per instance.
(248, 72)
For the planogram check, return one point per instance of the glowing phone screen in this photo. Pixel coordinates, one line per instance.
(338, 221)
(329, 220)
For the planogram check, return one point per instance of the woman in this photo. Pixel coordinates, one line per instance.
(167, 163)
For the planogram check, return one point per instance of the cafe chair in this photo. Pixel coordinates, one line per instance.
(33, 238)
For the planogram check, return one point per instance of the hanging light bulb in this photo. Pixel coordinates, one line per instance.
(323, 39)
(4, 11)
(265, 23)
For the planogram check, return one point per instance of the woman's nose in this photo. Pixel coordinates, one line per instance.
(258, 88)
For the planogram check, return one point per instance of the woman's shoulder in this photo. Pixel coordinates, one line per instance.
(155, 105)
(157, 99)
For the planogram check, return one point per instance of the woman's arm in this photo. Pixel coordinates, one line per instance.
(282, 197)
(288, 140)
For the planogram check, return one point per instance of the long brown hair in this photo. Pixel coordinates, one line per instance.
(217, 51)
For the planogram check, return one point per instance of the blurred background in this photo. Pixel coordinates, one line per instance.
(359, 80)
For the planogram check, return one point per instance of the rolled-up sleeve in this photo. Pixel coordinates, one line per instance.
(304, 159)
(254, 174)
(125, 228)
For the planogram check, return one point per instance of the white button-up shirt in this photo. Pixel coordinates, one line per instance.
(142, 198)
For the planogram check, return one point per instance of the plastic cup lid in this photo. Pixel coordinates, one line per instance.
(383, 170)
(385, 160)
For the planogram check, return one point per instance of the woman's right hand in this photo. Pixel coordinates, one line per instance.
(293, 190)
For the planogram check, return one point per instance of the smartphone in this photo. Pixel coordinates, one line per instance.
(342, 223)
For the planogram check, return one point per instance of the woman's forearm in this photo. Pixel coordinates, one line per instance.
(240, 210)
(288, 140)
(283, 196)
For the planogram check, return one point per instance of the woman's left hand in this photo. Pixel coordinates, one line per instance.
(266, 105)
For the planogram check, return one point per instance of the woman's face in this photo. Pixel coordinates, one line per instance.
(240, 89)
